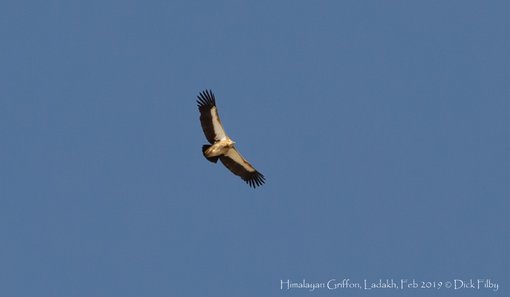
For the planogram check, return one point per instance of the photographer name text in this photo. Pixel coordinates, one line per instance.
(392, 284)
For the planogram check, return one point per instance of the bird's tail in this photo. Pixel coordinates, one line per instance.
(211, 159)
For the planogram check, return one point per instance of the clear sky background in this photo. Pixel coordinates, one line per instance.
(382, 127)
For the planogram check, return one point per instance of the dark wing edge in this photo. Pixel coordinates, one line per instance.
(252, 178)
(206, 101)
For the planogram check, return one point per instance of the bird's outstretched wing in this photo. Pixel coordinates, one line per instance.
(209, 118)
(239, 166)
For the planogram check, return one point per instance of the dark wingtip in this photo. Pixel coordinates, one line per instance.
(256, 180)
(206, 99)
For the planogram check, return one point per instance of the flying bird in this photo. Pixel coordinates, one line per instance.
(221, 146)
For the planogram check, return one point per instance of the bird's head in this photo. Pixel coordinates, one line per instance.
(230, 142)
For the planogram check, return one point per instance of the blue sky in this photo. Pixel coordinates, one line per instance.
(382, 128)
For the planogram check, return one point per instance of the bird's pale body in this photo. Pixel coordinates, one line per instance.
(220, 147)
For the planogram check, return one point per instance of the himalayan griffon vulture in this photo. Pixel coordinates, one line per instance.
(221, 146)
